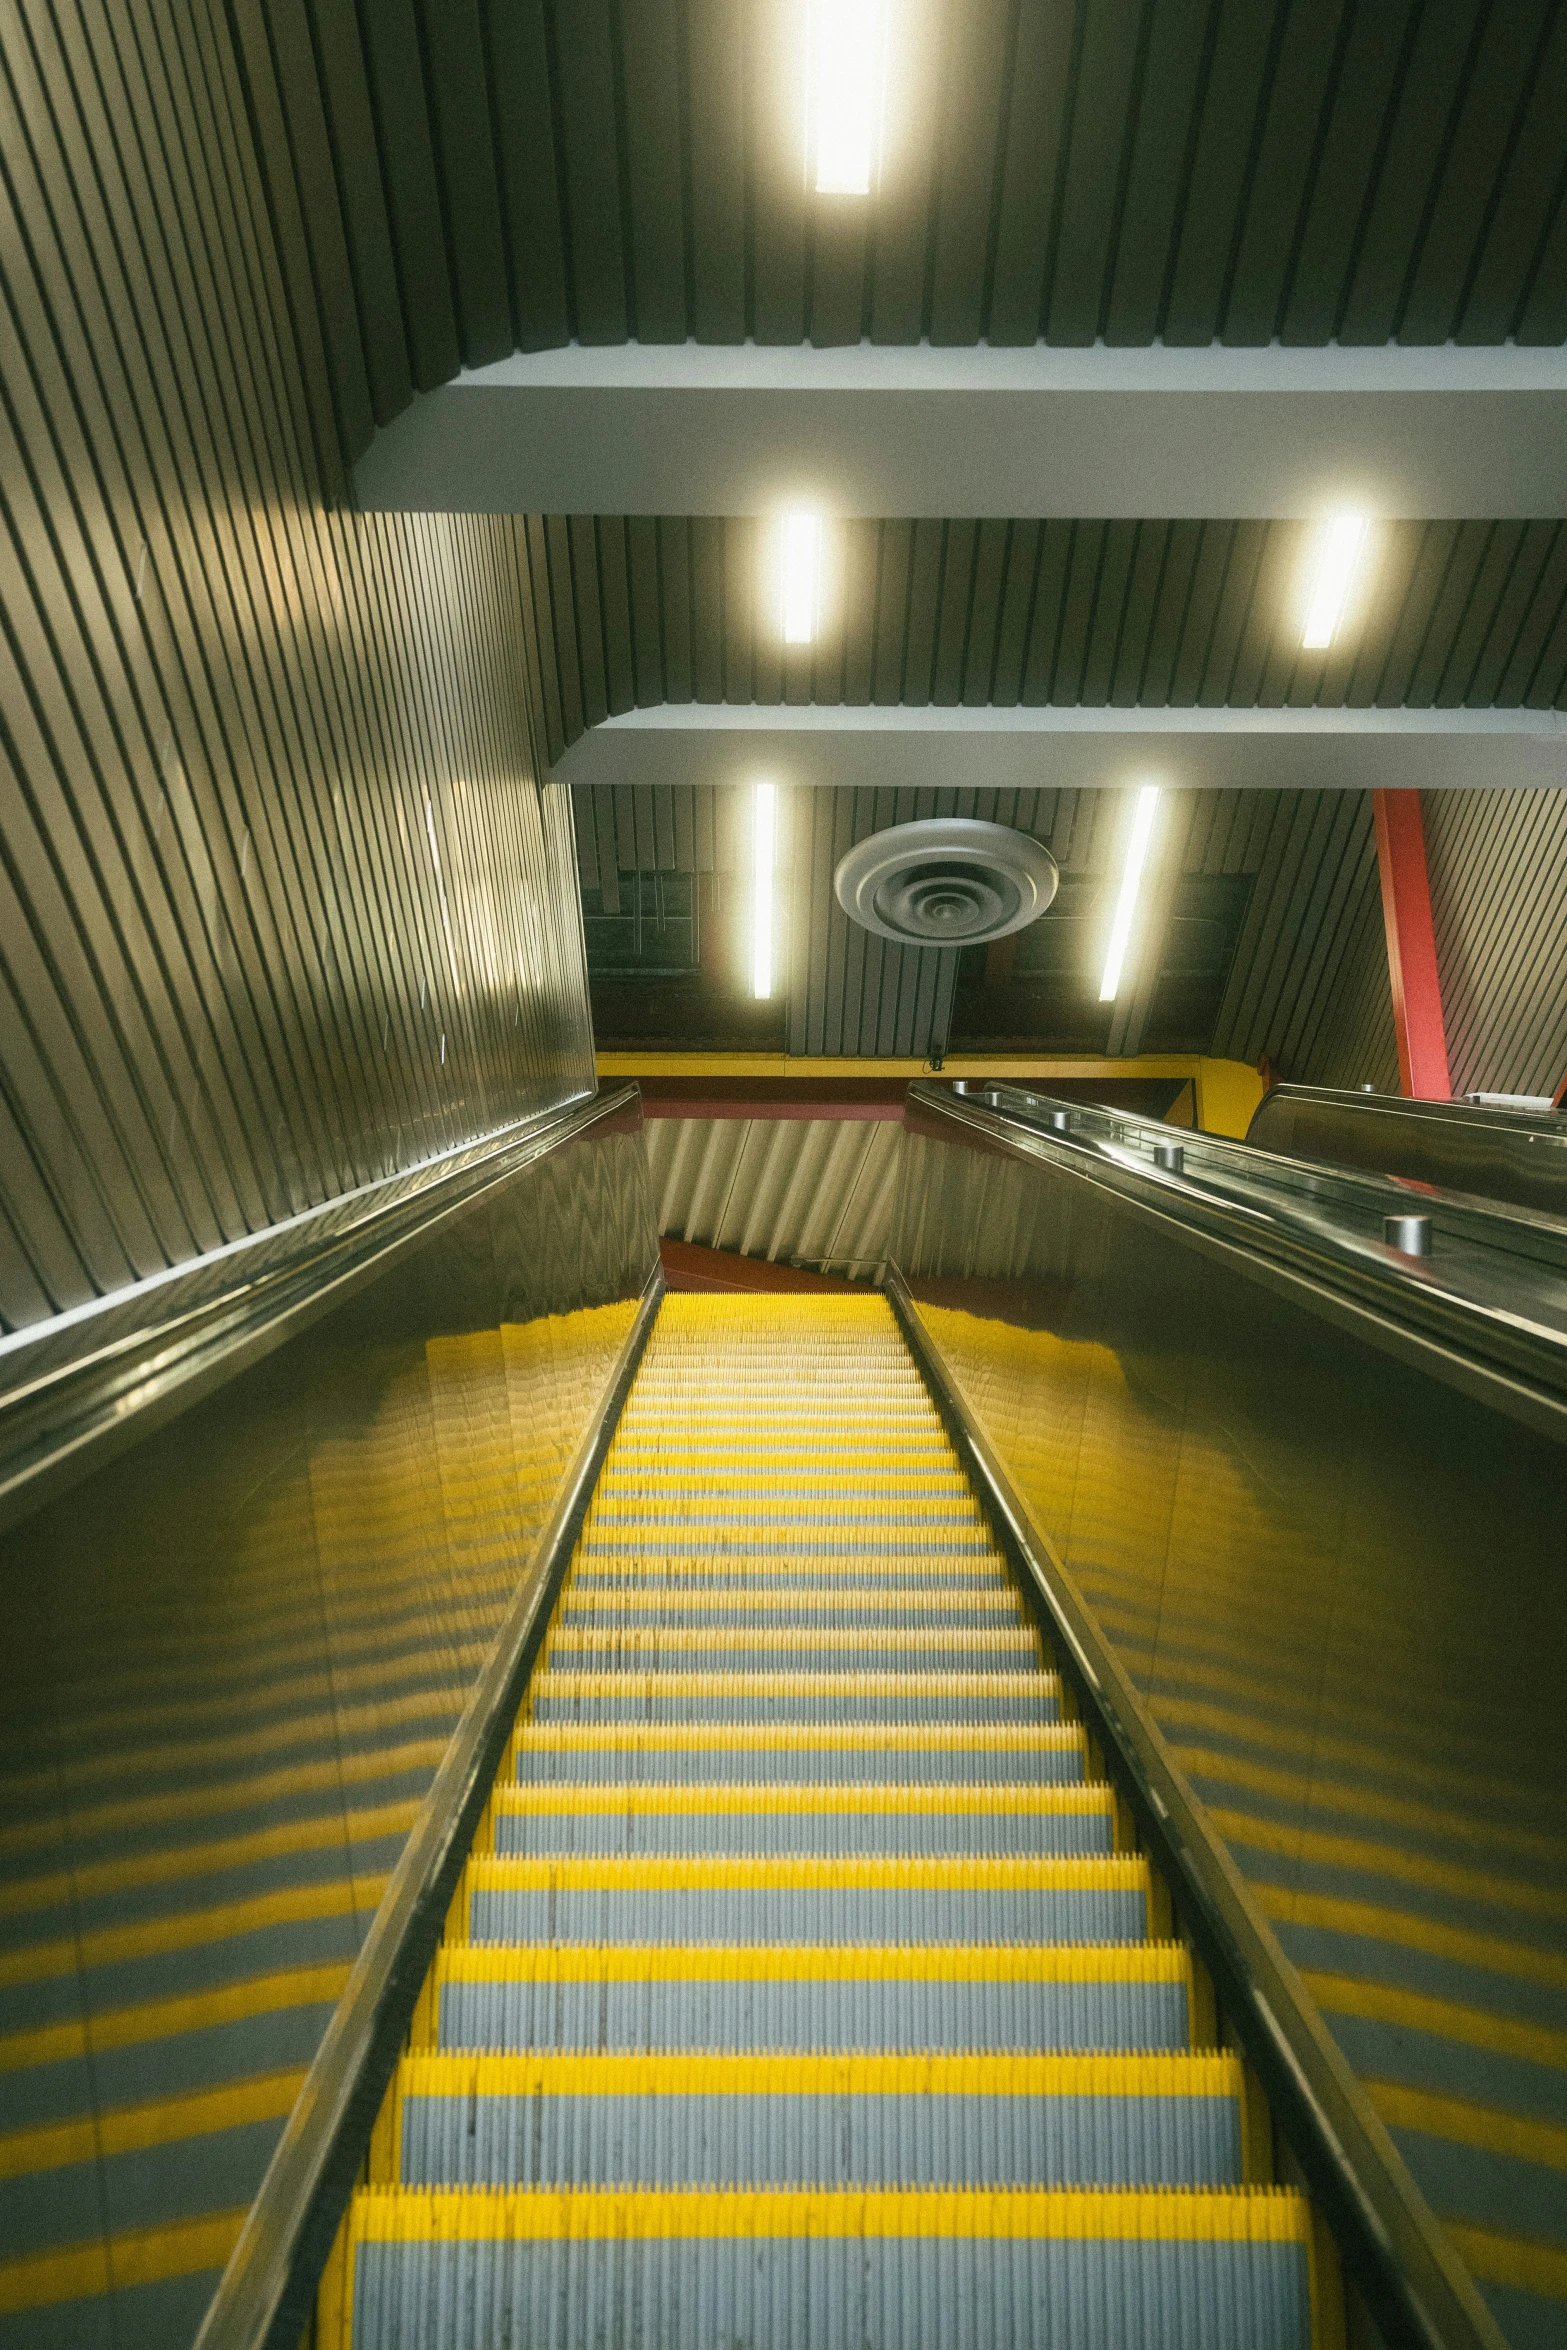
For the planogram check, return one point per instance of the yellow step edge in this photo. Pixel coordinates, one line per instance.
(969, 1570)
(585, 1599)
(1233, 2215)
(814, 1962)
(548, 1682)
(164, 2121)
(592, 1639)
(657, 1872)
(967, 1797)
(619, 1483)
(799, 1737)
(965, 1570)
(850, 2073)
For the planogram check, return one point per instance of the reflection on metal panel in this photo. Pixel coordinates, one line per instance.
(232, 1664)
(1332, 1578)
(477, 185)
(1494, 1154)
(811, 1192)
(282, 909)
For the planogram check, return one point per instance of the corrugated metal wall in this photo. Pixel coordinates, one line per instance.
(1353, 1042)
(813, 1192)
(1498, 866)
(282, 907)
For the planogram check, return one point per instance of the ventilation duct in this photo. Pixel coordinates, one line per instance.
(946, 881)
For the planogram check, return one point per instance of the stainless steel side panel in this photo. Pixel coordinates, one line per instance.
(1337, 1581)
(232, 1660)
(1492, 1153)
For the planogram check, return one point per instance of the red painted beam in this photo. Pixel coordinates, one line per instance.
(1411, 947)
(687, 1265)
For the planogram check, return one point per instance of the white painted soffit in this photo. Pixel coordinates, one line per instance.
(1285, 750)
(698, 429)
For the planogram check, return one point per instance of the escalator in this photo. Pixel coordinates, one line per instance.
(804, 1984)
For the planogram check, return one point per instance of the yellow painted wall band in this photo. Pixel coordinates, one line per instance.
(141, 2256)
(162, 2019)
(130, 2128)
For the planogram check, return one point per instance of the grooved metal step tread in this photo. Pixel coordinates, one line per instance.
(894, 2269)
(710, 2119)
(780, 1817)
(993, 1996)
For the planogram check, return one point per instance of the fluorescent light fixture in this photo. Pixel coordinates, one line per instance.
(1131, 881)
(845, 95)
(1338, 557)
(802, 577)
(763, 819)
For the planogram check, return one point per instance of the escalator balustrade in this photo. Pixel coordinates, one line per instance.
(802, 1988)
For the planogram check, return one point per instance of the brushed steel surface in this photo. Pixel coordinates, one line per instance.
(234, 1660)
(1493, 1153)
(1329, 1569)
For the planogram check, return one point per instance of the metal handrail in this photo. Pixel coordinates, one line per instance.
(1506, 1355)
(267, 2292)
(75, 1391)
(1414, 2285)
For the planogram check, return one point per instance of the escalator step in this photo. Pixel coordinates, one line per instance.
(795, 1995)
(815, 1648)
(825, 2120)
(954, 1996)
(778, 1818)
(1048, 1753)
(785, 1900)
(794, 1697)
(444, 2269)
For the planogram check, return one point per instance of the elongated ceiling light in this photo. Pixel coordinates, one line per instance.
(1338, 558)
(1131, 881)
(802, 577)
(762, 826)
(844, 95)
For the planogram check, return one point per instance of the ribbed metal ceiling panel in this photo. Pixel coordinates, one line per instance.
(508, 176)
(813, 1192)
(1302, 862)
(1094, 614)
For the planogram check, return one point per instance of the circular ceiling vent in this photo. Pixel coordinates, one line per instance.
(947, 881)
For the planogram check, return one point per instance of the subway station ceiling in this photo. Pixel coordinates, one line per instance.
(1263, 189)
(1254, 901)
(514, 177)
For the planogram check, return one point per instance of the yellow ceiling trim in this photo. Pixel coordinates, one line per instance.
(1227, 1092)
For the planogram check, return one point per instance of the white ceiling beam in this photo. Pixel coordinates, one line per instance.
(1285, 750)
(686, 429)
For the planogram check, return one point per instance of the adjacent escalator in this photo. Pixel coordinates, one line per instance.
(803, 1987)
